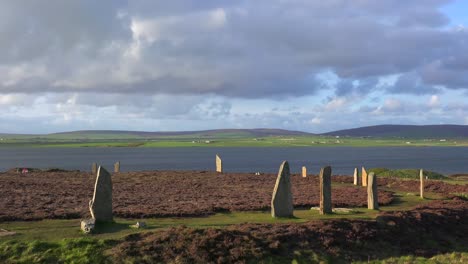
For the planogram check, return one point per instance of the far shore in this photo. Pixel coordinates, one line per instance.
(238, 142)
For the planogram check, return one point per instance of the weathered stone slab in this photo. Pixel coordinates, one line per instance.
(282, 202)
(101, 204)
(325, 190)
(219, 164)
(117, 166)
(304, 171)
(364, 176)
(94, 168)
(372, 196)
(356, 176)
(421, 179)
(87, 225)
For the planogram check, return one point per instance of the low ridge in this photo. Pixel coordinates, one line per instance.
(408, 131)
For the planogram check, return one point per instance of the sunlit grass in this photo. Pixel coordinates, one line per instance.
(221, 140)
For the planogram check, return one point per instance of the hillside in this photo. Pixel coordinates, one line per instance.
(406, 131)
(215, 133)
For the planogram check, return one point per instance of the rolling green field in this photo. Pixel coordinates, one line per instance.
(219, 140)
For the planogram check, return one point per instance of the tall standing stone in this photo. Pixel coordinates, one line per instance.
(356, 176)
(421, 179)
(282, 202)
(94, 168)
(304, 171)
(219, 164)
(101, 204)
(364, 176)
(325, 190)
(372, 195)
(117, 166)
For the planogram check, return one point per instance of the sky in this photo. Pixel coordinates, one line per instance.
(154, 65)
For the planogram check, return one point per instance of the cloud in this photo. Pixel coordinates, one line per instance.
(192, 60)
(434, 101)
(411, 83)
(244, 49)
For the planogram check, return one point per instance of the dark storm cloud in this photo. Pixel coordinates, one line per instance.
(249, 49)
(411, 83)
(31, 29)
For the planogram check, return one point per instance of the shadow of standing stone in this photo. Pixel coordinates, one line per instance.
(372, 196)
(282, 202)
(94, 168)
(325, 190)
(101, 204)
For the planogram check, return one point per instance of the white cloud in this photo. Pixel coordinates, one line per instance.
(227, 63)
(434, 101)
(316, 121)
(392, 104)
(335, 104)
(218, 18)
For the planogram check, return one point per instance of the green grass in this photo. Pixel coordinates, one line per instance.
(56, 230)
(61, 241)
(83, 250)
(221, 140)
(454, 257)
(406, 173)
(91, 250)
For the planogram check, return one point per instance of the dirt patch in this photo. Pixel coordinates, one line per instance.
(59, 194)
(436, 228)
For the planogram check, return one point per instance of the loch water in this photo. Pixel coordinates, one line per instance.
(447, 160)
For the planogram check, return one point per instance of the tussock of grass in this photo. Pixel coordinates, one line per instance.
(82, 250)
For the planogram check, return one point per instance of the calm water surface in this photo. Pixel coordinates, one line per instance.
(446, 160)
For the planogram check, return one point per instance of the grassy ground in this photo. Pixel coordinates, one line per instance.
(56, 230)
(406, 173)
(61, 241)
(232, 141)
(52, 241)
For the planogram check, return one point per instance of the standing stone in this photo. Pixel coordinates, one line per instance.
(364, 176)
(356, 176)
(325, 190)
(94, 168)
(282, 202)
(421, 179)
(117, 166)
(304, 171)
(219, 164)
(372, 196)
(101, 204)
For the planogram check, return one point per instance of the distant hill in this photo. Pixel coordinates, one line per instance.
(215, 133)
(407, 131)
(380, 131)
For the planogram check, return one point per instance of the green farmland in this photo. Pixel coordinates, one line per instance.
(218, 140)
